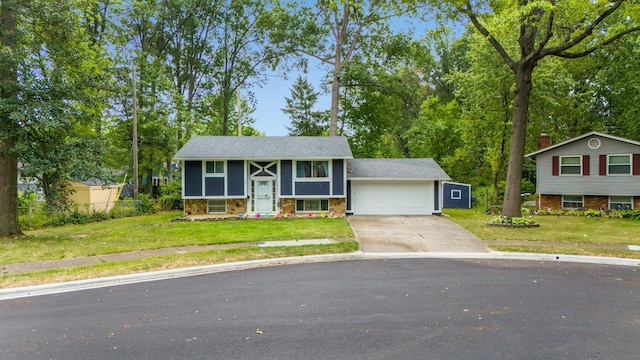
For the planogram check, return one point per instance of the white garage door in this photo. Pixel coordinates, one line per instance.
(391, 197)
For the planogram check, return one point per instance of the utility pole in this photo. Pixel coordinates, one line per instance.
(135, 136)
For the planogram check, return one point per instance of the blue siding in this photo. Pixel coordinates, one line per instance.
(286, 178)
(312, 188)
(214, 186)
(193, 178)
(338, 177)
(235, 177)
(465, 196)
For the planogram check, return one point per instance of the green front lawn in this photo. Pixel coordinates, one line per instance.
(158, 231)
(553, 229)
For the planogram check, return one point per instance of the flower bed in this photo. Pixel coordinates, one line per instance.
(515, 222)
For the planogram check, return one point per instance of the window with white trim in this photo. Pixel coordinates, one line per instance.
(572, 201)
(456, 194)
(312, 169)
(214, 167)
(570, 165)
(312, 205)
(620, 202)
(217, 206)
(619, 164)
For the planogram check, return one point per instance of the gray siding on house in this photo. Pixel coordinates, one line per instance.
(338, 177)
(594, 184)
(286, 178)
(235, 178)
(214, 186)
(192, 178)
(312, 188)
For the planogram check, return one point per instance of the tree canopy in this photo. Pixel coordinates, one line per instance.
(472, 97)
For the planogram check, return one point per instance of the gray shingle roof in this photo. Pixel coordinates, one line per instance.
(592, 133)
(395, 169)
(265, 147)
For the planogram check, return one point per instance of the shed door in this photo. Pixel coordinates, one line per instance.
(392, 197)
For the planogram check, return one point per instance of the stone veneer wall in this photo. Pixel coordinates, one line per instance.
(636, 202)
(199, 206)
(235, 206)
(195, 206)
(338, 206)
(287, 206)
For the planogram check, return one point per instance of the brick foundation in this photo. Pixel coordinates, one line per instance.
(554, 202)
(596, 202)
(550, 202)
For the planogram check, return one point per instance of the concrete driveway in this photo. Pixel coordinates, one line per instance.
(396, 234)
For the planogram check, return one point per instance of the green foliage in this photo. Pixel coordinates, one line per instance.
(27, 198)
(145, 205)
(305, 120)
(171, 196)
(516, 221)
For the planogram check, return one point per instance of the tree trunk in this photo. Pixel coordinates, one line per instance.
(512, 200)
(9, 225)
(225, 112)
(335, 98)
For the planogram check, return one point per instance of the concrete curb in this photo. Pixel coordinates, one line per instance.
(38, 290)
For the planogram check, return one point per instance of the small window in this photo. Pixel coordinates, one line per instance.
(570, 165)
(215, 167)
(456, 194)
(572, 202)
(217, 206)
(620, 203)
(312, 169)
(619, 165)
(312, 205)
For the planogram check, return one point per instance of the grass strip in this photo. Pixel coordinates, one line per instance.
(167, 262)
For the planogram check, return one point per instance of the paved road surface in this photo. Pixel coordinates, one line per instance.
(374, 309)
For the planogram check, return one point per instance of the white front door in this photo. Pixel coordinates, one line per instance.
(264, 195)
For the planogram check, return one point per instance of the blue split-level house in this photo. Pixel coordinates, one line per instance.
(287, 175)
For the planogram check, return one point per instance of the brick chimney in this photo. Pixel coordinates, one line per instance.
(543, 140)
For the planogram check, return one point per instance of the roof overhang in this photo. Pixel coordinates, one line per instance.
(593, 133)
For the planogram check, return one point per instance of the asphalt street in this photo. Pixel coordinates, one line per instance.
(372, 309)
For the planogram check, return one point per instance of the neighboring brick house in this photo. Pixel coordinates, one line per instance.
(298, 174)
(591, 171)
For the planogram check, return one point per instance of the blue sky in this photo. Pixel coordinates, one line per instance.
(270, 99)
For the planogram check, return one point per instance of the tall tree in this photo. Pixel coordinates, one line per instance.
(539, 29)
(245, 50)
(51, 69)
(334, 33)
(9, 126)
(305, 121)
